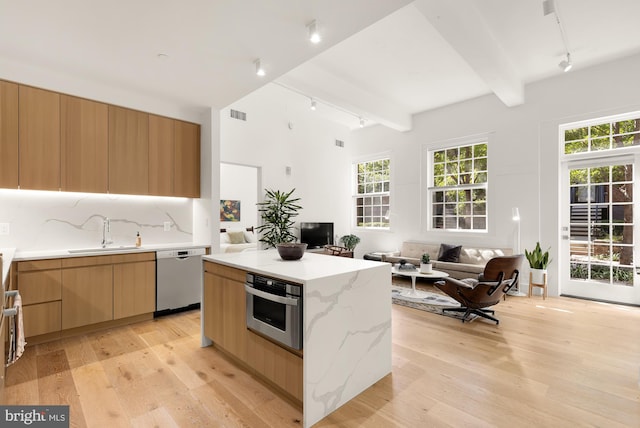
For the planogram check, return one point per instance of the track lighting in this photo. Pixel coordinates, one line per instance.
(566, 64)
(314, 34)
(551, 7)
(259, 69)
(361, 123)
(313, 104)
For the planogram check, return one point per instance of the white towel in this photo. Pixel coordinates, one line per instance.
(16, 332)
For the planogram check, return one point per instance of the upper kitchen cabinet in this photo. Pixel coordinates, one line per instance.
(161, 158)
(8, 135)
(128, 151)
(84, 145)
(187, 159)
(39, 139)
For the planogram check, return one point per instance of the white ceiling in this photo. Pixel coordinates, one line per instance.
(380, 60)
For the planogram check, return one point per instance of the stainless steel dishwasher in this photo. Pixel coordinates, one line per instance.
(178, 280)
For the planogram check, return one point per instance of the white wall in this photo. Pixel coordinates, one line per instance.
(523, 156)
(239, 183)
(281, 131)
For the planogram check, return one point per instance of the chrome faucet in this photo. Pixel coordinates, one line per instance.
(106, 232)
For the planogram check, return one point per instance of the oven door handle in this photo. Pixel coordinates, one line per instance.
(272, 297)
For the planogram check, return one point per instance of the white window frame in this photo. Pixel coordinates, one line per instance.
(431, 188)
(383, 194)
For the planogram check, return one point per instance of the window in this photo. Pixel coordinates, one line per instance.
(605, 135)
(458, 192)
(372, 193)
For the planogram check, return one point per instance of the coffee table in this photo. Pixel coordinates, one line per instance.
(415, 273)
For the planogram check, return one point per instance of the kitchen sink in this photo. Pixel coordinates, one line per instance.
(102, 250)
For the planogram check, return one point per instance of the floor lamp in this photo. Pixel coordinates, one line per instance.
(515, 216)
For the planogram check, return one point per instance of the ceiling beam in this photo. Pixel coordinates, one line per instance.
(316, 82)
(462, 26)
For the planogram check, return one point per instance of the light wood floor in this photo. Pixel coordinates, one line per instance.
(555, 363)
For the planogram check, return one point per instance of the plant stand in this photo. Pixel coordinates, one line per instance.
(543, 286)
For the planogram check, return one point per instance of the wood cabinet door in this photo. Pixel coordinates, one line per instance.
(87, 295)
(161, 155)
(128, 151)
(84, 145)
(187, 159)
(134, 289)
(212, 301)
(8, 135)
(42, 318)
(40, 286)
(39, 139)
(235, 318)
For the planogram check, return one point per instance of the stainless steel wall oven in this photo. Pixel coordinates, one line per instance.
(274, 308)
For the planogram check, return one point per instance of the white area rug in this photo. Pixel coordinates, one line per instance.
(433, 302)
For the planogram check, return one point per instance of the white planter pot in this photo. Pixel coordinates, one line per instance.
(426, 267)
(537, 276)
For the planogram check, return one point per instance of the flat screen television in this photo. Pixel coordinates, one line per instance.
(316, 235)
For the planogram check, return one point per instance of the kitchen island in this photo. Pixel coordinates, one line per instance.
(346, 324)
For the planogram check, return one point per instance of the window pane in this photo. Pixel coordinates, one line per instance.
(576, 147)
(576, 134)
(600, 144)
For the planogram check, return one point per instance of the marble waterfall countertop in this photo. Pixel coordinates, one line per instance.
(311, 266)
(347, 322)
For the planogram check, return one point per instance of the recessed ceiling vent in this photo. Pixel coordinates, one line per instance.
(240, 115)
(339, 143)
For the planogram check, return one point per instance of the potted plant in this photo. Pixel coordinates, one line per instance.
(350, 241)
(277, 212)
(538, 262)
(425, 263)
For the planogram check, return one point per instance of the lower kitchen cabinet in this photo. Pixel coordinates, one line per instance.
(87, 295)
(71, 292)
(225, 323)
(134, 289)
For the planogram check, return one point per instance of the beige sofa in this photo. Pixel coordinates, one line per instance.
(471, 261)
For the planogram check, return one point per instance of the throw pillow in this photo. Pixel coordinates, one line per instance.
(449, 253)
(236, 237)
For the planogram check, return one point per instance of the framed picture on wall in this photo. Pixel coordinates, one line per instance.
(229, 210)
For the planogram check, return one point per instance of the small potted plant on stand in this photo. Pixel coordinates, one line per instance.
(425, 264)
(350, 241)
(538, 262)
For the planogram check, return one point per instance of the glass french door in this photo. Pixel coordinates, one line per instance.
(600, 230)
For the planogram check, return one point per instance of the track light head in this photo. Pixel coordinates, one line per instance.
(314, 33)
(313, 104)
(566, 64)
(361, 123)
(259, 70)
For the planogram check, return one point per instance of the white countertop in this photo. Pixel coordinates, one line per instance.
(63, 253)
(7, 257)
(310, 266)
